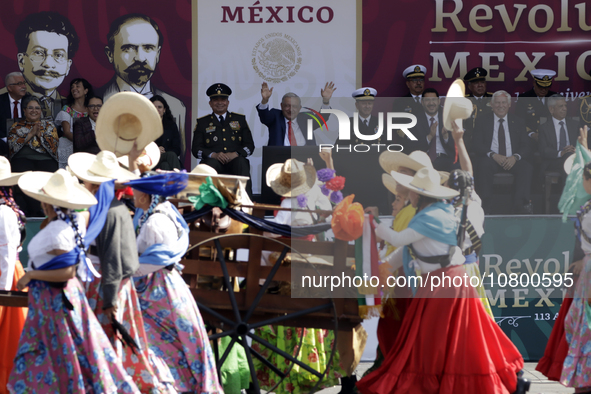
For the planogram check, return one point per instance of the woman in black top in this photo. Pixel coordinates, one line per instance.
(170, 141)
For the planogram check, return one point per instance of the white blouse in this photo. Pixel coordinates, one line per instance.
(423, 245)
(56, 235)
(158, 229)
(9, 241)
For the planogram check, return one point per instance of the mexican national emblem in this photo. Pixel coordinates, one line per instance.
(276, 57)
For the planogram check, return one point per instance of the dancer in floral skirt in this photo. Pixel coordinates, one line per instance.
(173, 324)
(63, 348)
(114, 254)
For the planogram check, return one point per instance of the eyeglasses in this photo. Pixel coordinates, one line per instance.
(95, 106)
(39, 56)
(34, 108)
(21, 83)
(417, 80)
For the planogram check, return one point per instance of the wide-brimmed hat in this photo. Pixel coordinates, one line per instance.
(7, 177)
(58, 188)
(98, 168)
(389, 183)
(291, 178)
(456, 106)
(149, 157)
(392, 161)
(426, 182)
(568, 164)
(127, 117)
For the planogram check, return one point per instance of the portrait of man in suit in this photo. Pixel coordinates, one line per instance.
(46, 43)
(288, 126)
(134, 42)
(501, 145)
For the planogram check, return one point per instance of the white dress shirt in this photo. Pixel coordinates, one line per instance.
(557, 131)
(297, 132)
(12, 101)
(438, 145)
(494, 147)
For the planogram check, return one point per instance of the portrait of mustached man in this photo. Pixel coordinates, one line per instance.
(133, 48)
(46, 43)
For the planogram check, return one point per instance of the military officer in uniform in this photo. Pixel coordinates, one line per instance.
(475, 80)
(411, 102)
(223, 139)
(533, 105)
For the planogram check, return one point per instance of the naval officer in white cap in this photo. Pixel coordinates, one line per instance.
(533, 105)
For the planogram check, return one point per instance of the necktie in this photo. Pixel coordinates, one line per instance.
(417, 100)
(15, 112)
(432, 144)
(221, 119)
(292, 139)
(562, 142)
(47, 103)
(501, 138)
(365, 122)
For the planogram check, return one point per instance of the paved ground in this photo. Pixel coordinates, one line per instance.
(540, 385)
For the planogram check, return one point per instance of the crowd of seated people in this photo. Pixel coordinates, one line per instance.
(525, 136)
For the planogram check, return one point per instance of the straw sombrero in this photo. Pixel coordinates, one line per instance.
(58, 188)
(568, 164)
(392, 161)
(456, 106)
(291, 178)
(232, 187)
(426, 182)
(389, 182)
(127, 117)
(98, 168)
(149, 157)
(7, 177)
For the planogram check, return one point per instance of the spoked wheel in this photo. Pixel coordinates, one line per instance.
(241, 320)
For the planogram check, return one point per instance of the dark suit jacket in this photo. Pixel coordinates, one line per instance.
(482, 139)
(275, 121)
(547, 144)
(408, 104)
(422, 130)
(5, 113)
(531, 109)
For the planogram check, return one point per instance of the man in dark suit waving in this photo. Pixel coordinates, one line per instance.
(501, 145)
(557, 136)
(287, 127)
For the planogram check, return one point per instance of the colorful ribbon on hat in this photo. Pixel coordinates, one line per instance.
(165, 184)
(208, 195)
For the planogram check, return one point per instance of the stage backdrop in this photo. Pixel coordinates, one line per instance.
(158, 67)
(292, 46)
(450, 37)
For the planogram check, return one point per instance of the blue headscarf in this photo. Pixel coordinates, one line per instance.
(438, 222)
(98, 216)
(165, 184)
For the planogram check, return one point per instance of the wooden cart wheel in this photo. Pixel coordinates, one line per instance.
(240, 326)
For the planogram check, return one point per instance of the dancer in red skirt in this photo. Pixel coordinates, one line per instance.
(447, 343)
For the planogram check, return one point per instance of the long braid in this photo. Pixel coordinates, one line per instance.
(155, 201)
(7, 198)
(70, 218)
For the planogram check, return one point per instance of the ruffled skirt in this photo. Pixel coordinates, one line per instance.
(447, 344)
(576, 370)
(557, 348)
(63, 348)
(137, 362)
(315, 352)
(175, 331)
(12, 321)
